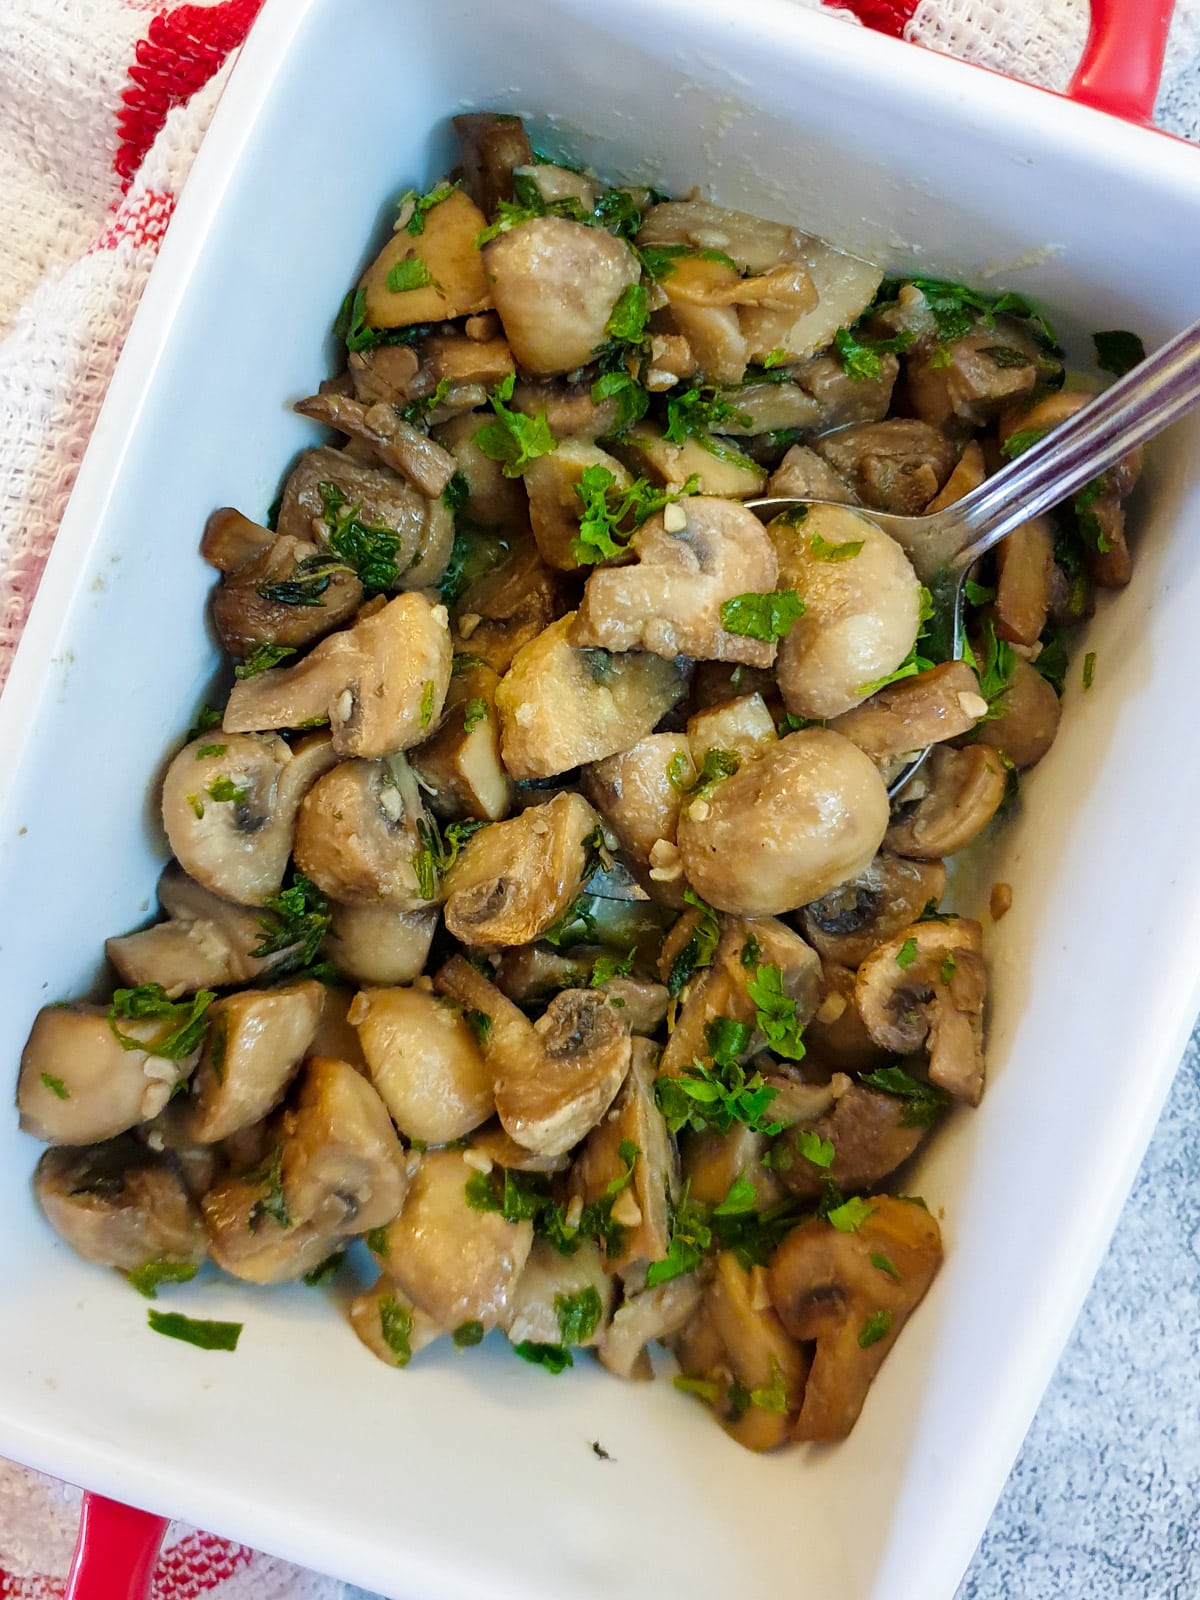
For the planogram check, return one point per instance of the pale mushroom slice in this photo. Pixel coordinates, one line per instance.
(926, 986)
(424, 1061)
(1026, 718)
(509, 604)
(655, 1313)
(431, 275)
(231, 541)
(948, 803)
(940, 703)
(742, 726)
(786, 828)
(80, 1084)
(851, 1293)
(871, 1133)
(514, 880)
(629, 1158)
(120, 1205)
(722, 989)
(698, 291)
(1024, 578)
(256, 1041)
(559, 1299)
(342, 1167)
(555, 507)
(381, 683)
(554, 1079)
(229, 804)
(251, 1233)
(639, 792)
(561, 707)
(390, 1325)
(693, 560)
(380, 944)
(206, 942)
(847, 924)
(736, 1356)
(490, 1146)
(720, 467)
(555, 283)
(398, 445)
(457, 1263)
(358, 839)
(459, 765)
(862, 604)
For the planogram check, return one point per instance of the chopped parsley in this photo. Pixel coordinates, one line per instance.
(408, 273)
(378, 1243)
(480, 1025)
(468, 1334)
(578, 1315)
(552, 1357)
(146, 1279)
(295, 921)
(421, 205)
(877, 1326)
(207, 750)
(204, 1335)
(324, 1270)
(742, 1197)
(690, 1238)
(609, 515)
(751, 953)
(1118, 351)
(56, 1086)
(351, 326)
(262, 658)
(923, 1100)
(607, 967)
(1089, 669)
(225, 791)
(717, 1096)
(457, 492)
(184, 1022)
(906, 954)
(814, 1148)
(272, 1202)
(658, 260)
(439, 851)
(428, 694)
(371, 553)
(627, 323)
(1024, 439)
(474, 712)
(526, 1196)
(957, 309)
(863, 359)
(463, 663)
(619, 384)
(514, 439)
(775, 1012)
(996, 670)
(698, 951)
(884, 1263)
(823, 550)
(396, 1326)
(762, 616)
(714, 769)
(850, 1215)
(697, 413)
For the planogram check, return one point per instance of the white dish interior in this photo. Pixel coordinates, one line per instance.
(475, 1475)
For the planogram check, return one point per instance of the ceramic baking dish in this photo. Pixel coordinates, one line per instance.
(476, 1476)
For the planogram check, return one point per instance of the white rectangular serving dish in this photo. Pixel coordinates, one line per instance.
(474, 1476)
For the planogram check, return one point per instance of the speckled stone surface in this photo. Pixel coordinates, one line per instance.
(1104, 1501)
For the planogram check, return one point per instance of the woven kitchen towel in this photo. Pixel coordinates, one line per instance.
(103, 104)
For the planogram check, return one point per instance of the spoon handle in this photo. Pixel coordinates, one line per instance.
(1146, 400)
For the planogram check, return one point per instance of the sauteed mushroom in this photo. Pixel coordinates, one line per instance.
(120, 1205)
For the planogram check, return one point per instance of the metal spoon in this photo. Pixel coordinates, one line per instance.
(944, 547)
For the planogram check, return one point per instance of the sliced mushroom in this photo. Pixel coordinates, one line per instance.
(460, 765)
(424, 528)
(1027, 719)
(568, 406)
(652, 1314)
(255, 1043)
(357, 835)
(515, 879)
(424, 1061)
(724, 472)
(926, 986)
(712, 1162)
(388, 372)
(231, 541)
(555, 283)
(751, 1371)
(787, 828)
(837, 1038)
(509, 606)
(948, 803)
(381, 683)
(560, 183)
(492, 1145)
(554, 505)
(940, 703)
(768, 408)
(493, 500)
(752, 243)
(692, 559)
(120, 1205)
(837, 1289)
(379, 944)
(803, 475)
(968, 474)
(643, 1185)
(458, 1264)
(446, 272)
(839, 397)
(847, 924)
(272, 601)
(561, 707)
(390, 1325)
(550, 1279)
(1024, 564)
(743, 726)
(229, 807)
(251, 1232)
(493, 146)
(862, 609)
(845, 286)
(206, 942)
(973, 378)
(638, 793)
(396, 443)
(335, 1035)
(554, 1079)
(871, 1133)
(896, 465)
(534, 973)
(80, 1085)
(699, 292)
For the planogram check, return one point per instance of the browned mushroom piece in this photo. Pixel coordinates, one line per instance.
(561, 706)
(120, 1205)
(509, 605)
(1024, 564)
(736, 1356)
(643, 1185)
(555, 283)
(432, 275)
(541, 1303)
(837, 1038)
(786, 828)
(490, 1144)
(514, 880)
(342, 1166)
(424, 1061)
(722, 988)
(725, 473)
(926, 986)
(460, 765)
(80, 1084)
(641, 1318)
(693, 557)
(840, 397)
(862, 608)
(972, 379)
(390, 1325)
(493, 146)
(948, 803)
(381, 683)
(712, 1162)
(255, 1043)
(458, 373)
(803, 475)
(388, 373)
(247, 1234)
(872, 1133)
(533, 973)
(358, 839)
(458, 1264)
(229, 807)
(206, 942)
(568, 406)
(554, 1079)
(940, 703)
(851, 1293)
(767, 408)
(492, 500)
(231, 541)
(335, 1035)
(277, 599)
(897, 465)
(638, 792)
(1026, 719)
(555, 507)
(699, 293)
(379, 943)
(849, 922)
(396, 443)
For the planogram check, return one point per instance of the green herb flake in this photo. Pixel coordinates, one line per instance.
(762, 616)
(372, 553)
(714, 769)
(742, 1198)
(690, 1238)
(226, 792)
(608, 967)
(884, 1263)
(474, 712)
(1089, 669)
(775, 1012)
(261, 659)
(706, 1389)
(976, 594)
(776, 358)
(1024, 439)
(427, 698)
(378, 1243)
(923, 1100)
(751, 953)
(552, 1357)
(609, 516)
(906, 954)
(204, 1335)
(514, 439)
(480, 1025)
(184, 1022)
(324, 1270)
(658, 260)
(422, 205)
(56, 1086)
(632, 400)
(814, 1148)
(207, 750)
(468, 1334)
(463, 663)
(396, 1326)
(948, 968)
(863, 359)
(1118, 351)
(294, 922)
(699, 949)
(146, 1279)
(850, 1215)
(272, 1202)
(822, 550)
(578, 1315)
(627, 323)
(877, 1326)
(408, 273)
